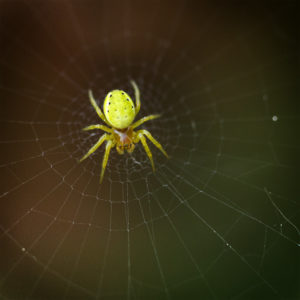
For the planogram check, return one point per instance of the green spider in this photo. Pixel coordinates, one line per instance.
(119, 113)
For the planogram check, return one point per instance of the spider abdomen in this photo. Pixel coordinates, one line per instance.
(119, 109)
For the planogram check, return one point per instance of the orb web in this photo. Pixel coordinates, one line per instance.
(219, 219)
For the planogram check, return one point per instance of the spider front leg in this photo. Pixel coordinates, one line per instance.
(141, 138)
(153, 140)
(108, 147)
(104, 137)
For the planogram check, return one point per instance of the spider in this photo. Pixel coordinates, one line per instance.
(119, 113)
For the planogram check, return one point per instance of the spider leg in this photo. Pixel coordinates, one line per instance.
(143, 120)
(96, 107)
(141, 138)
(131, 148)
(109, 145)
(104, 137)
(98, 126)
(137, 97)
(153, 140)
(120, 150)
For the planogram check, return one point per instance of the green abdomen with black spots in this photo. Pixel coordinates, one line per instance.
(119, 109)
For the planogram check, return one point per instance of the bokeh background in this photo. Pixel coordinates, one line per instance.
(219, 219)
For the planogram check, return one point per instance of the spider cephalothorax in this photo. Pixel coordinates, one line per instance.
(119, 113)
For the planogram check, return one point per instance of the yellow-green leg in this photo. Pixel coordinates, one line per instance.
(96, 107)
(141, 138)
(143, 120)
(120, 150)
(98, 126)
(109, 145)
(131, 148)
(137, 97)
(153, 140)
(96, 146)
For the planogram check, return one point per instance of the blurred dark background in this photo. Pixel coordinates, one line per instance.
(219, 220)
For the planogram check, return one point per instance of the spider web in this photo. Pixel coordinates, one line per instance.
(218, 220)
